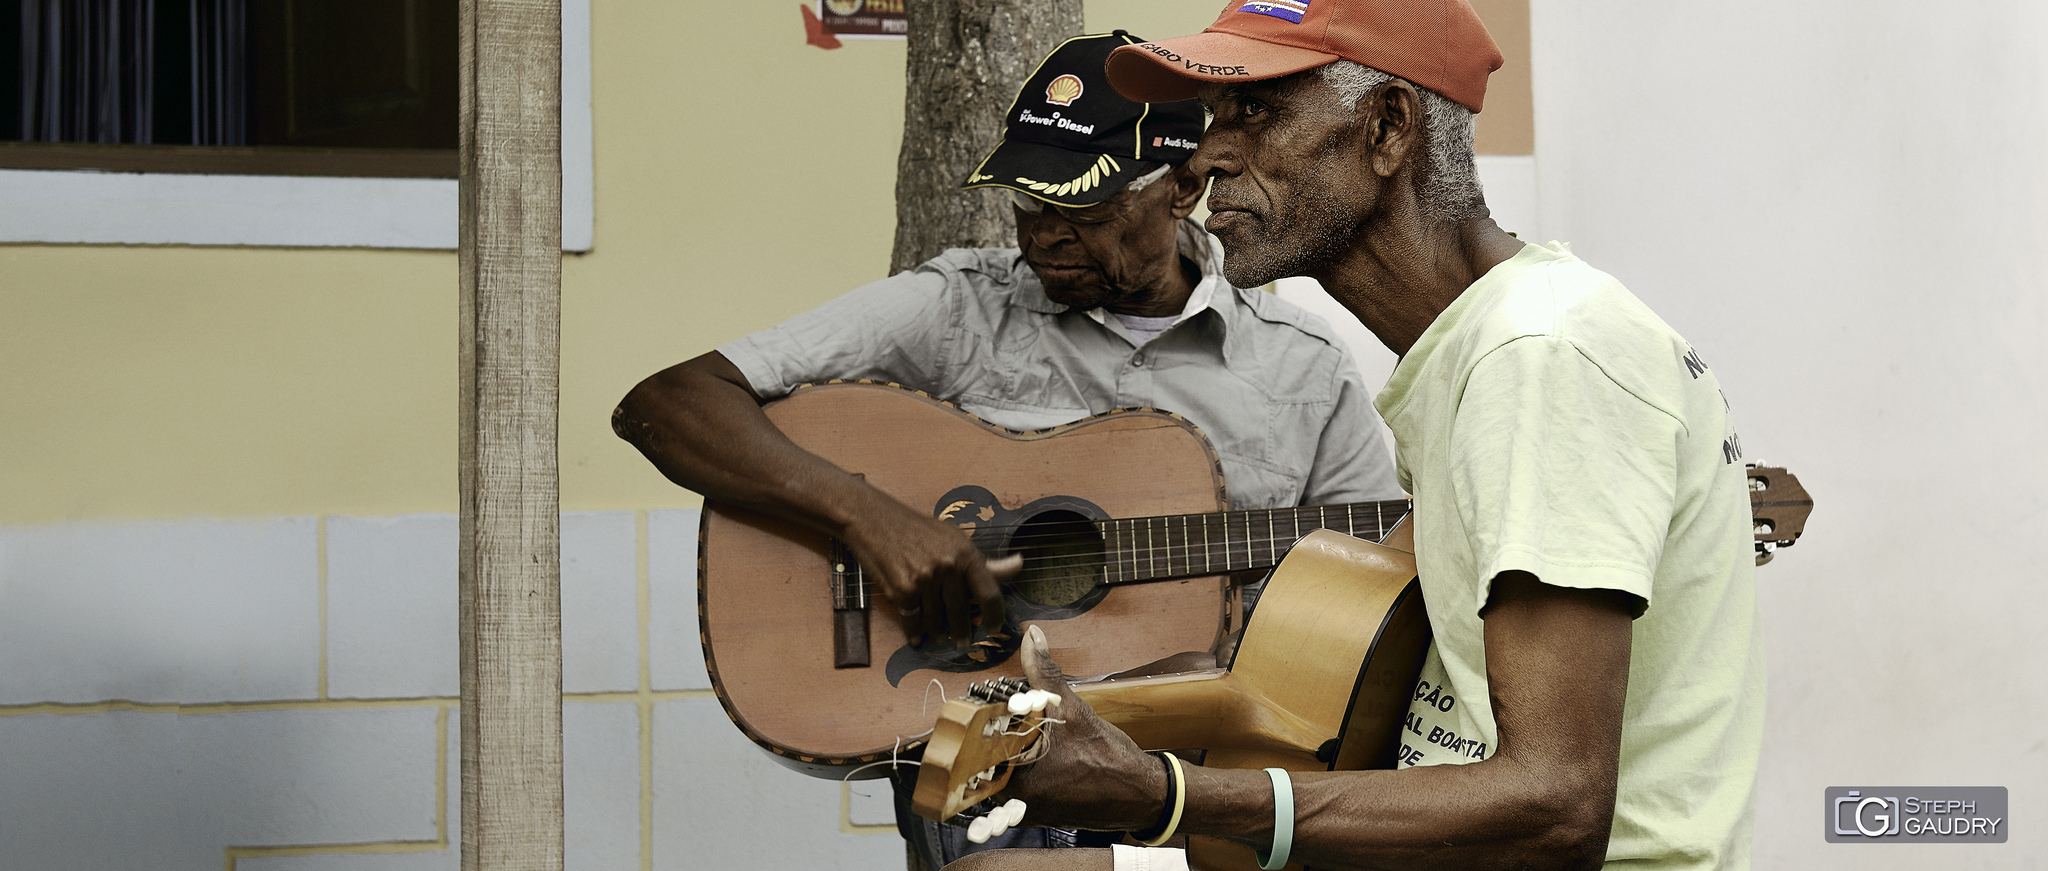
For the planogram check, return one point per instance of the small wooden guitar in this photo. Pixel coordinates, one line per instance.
(1325, 669)
(1120, 519)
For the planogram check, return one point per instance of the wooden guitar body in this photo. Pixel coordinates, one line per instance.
(766, 604)
(1325, 670)
(1310, 648)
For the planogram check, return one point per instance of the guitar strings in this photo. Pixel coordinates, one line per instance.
(1390, 506)
(1143, 558)
(1140, 557)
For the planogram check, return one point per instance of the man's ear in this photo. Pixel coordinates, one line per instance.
(1394, 132)
(1187, 191)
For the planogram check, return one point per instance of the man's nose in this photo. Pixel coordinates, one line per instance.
(1215, 157)
(1049, 229)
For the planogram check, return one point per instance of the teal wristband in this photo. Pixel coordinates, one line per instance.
(1283, 821)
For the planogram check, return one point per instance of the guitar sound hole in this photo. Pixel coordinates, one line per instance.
(1062, 558)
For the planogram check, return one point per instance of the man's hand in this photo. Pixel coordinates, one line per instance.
(701, 424)
(930, 570)
(1092, 775)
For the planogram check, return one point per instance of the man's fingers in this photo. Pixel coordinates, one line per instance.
(956, 614)
(1007, 567)
(988, 589)
(1039, 668)
(932, 614)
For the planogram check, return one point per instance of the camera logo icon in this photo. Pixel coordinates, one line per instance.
(1871, 816)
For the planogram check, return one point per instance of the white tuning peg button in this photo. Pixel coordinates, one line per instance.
(1039, 699)
(999, 823)
(1020, 703)
(1013, 811)
(980, 829)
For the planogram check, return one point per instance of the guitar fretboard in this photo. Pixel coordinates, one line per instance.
(1167, 547)
(1192, 545)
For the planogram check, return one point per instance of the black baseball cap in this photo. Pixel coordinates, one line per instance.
(1071, 140)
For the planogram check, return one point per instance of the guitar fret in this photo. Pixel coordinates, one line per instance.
(1187, 548)
(1272, 540)
(1226, 542)
(1172, 569)
(1206, 569)
(1166, 532)
(1109, 552)
(1151, 554)
(1123, 552)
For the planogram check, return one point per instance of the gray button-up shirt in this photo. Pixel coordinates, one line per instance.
(1269, 383)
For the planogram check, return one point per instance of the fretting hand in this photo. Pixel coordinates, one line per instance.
(932, 571)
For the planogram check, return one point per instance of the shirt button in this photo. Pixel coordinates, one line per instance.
(1137, 359)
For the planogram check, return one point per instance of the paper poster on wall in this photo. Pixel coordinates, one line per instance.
(864, 19)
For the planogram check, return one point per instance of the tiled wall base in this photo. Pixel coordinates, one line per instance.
(278, 695)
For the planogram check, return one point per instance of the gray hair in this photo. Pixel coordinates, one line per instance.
(1450, 180)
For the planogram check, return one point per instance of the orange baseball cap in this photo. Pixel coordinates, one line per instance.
(1438, 44)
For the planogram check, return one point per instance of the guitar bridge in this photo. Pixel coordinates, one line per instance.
(850, 645)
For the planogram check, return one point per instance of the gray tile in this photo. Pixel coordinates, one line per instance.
(870, 803)
(183, 788)
(600, 602)
(720, 802)
(392, 606)
(160, 611)
(675, 657)
(601, 785)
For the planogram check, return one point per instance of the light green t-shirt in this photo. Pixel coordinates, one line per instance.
(1549, 422)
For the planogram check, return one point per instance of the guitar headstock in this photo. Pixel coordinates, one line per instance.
(1778, 504)
(977, 741)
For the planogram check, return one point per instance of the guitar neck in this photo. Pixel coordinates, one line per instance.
(1142, 549)
(1167, 547)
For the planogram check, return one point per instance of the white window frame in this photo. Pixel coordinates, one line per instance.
(156, 208)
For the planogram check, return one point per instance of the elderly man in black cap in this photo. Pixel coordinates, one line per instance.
(1112, 298)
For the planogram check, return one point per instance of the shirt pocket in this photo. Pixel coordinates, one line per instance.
(1255, 483)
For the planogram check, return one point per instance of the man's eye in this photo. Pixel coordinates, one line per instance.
(1252, 108)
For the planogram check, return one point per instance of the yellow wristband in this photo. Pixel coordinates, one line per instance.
(1180, 799)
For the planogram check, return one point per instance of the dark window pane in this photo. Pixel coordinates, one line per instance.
(377, 73)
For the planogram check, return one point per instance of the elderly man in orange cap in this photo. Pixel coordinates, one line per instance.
(1594, 693)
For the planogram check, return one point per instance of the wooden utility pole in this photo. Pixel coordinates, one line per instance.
(966, 61)
(511, 258)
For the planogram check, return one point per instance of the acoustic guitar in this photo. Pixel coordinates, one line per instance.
(1325, 668)
(1121, 521)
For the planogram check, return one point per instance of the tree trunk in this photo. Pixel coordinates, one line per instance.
(966, 61)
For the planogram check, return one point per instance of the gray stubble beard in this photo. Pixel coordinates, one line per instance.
(1327, 232)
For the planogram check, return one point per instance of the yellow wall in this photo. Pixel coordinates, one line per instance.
(742, 176)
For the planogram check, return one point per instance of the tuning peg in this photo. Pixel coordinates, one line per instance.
(980, 829)
(1012, 811)
(1020, 703)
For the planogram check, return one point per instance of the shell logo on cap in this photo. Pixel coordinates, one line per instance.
(1063, 91)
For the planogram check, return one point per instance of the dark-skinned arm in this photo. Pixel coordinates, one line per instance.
(1557, 662)
(700, 423)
